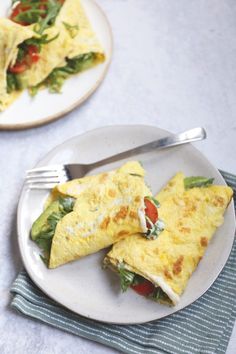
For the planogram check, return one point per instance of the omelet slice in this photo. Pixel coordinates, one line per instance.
(102, 215)
(73, 17)
(87, 214)
(191, 218)
(11, 35)
(74, 39)
(52, 55)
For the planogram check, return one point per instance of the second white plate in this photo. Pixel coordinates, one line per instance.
(27, 112)
(82, 286)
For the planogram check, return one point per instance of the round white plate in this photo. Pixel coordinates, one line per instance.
(27, 112)
(82, 286)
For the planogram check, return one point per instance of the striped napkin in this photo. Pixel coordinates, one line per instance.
(203, 327)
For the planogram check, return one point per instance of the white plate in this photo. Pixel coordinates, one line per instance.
(82, 286)
(27, 112)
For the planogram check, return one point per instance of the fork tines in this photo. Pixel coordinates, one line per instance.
(45, 177)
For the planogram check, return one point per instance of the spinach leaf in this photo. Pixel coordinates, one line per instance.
(37, 42)
(53, 8)
(159, 294)
(30, 16)
(198, 181)
(56, 79)
(43, 15)
(126, 277)
(44, 239)
(13, 83)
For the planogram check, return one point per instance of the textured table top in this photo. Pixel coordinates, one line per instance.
(173, 67)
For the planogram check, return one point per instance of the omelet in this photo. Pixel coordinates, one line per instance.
(102, 215)
(161, 268)
(74, 38)
(52, 55)
(11, 35)
(88, 214)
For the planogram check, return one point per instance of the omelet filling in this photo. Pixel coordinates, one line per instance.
(44, 230)
(57, 77)
(28, 55)
(140, 285)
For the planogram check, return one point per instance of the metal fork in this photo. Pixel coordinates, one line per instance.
(48, 177)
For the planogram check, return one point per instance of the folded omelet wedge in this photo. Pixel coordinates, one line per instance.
(88, 214)
(102, 215)
(52, 55)
(74, 20)
(11, 35)
(161, 268)
(74, 41)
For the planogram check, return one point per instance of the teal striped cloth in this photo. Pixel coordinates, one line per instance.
(203, 327)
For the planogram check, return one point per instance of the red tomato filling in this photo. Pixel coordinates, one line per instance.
(18, 68)
(32, 56)
(144, 288)
(151, 212)
(16, 11)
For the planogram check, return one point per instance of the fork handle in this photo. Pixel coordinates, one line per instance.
(168, 141)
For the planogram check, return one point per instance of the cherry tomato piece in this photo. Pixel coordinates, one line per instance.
(150, 211)
(18, 68)
(33, 53)
(145, 288)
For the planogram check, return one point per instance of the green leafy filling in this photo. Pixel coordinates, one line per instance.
(13, 80)
(155, 229)
(44, 238)
(53, 8)
(57, 77)
(30, 16)
(128, 278)
(199, 181)
(42, 14)
(13, 83)
(159, 295)
(37, 42)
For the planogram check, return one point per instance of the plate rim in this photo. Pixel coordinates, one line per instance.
(54, 117)
(31, 275)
